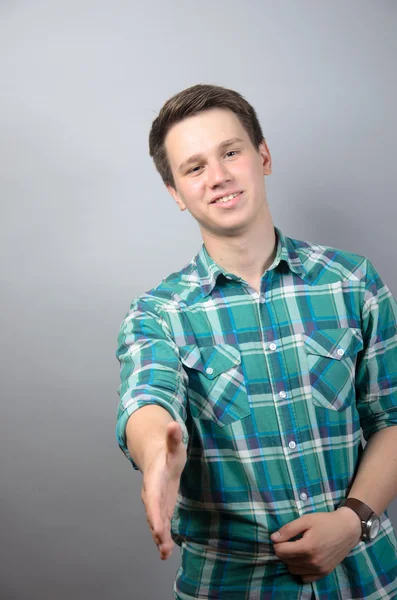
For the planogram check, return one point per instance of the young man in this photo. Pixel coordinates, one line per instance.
(246, 379)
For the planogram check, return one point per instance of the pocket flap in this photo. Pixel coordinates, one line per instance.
(212, 360)
(334, 343)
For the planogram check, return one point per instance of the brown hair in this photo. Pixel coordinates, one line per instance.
(189, 102)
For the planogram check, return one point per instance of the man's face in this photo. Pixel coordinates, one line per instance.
(212, 156)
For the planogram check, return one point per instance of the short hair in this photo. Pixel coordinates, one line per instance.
(192, 101)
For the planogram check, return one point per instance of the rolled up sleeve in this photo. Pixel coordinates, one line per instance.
(376, 369)
(150, 369)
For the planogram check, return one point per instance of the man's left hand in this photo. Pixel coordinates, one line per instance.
(327, 539)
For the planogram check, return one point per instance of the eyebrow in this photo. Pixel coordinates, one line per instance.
(197, 157)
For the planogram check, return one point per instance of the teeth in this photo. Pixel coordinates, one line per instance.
(227, 198)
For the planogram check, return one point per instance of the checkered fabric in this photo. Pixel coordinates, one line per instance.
(272, 390)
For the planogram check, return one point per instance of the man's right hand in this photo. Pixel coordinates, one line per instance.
(161, 485)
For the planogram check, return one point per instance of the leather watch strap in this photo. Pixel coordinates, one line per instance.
(360, 508)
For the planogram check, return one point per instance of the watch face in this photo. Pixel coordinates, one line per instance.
(374, 528)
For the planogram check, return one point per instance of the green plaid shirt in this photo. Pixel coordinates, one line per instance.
(272, 390)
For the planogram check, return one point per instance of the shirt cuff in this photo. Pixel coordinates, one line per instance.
(133, 407)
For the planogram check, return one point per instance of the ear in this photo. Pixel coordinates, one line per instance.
(176, 196)
(266, 158)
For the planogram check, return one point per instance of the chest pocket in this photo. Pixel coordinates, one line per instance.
(331, 356)
(217, 389)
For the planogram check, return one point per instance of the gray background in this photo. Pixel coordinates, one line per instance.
(86, 225)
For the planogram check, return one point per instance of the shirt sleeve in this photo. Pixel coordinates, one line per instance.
(150, 369)
(376, 369)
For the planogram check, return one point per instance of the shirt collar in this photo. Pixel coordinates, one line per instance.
(209, 271)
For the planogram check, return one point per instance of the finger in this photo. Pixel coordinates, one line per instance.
(159, 525)
(290, 552)
(165, 549)
(290, 530)
(161, 535)
(165, 555)
(159, 528)
(153, 511)
(163, 540)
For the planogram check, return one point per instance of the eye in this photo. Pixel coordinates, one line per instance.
(232, 151)
(194, 169)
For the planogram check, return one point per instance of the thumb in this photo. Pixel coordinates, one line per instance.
(290, 530)
(173, 437)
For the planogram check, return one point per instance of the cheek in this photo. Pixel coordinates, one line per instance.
(193, 189)
(244, 168)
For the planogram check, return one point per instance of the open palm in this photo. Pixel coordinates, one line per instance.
(160, 488)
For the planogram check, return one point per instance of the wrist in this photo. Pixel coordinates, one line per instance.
(353, 522)
(370, 522)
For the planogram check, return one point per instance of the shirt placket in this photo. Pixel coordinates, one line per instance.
(283, 398)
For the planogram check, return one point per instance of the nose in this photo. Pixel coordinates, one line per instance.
(217, 174)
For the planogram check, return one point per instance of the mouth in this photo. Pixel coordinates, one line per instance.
(228, 200)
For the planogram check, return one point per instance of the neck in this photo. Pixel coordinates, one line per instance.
(247, 255)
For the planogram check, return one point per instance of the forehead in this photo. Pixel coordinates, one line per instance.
(202, 134)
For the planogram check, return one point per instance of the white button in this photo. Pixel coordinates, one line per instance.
(282, 394)
(272, 346)
(340, 352)
(303, 496)
(292, 445)
(209, 370)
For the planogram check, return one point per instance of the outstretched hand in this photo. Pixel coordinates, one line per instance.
(327, 539)
(160, 488)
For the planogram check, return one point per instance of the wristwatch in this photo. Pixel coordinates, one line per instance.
(370, 522)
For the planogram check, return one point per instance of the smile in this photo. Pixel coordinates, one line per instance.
(229, 200)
